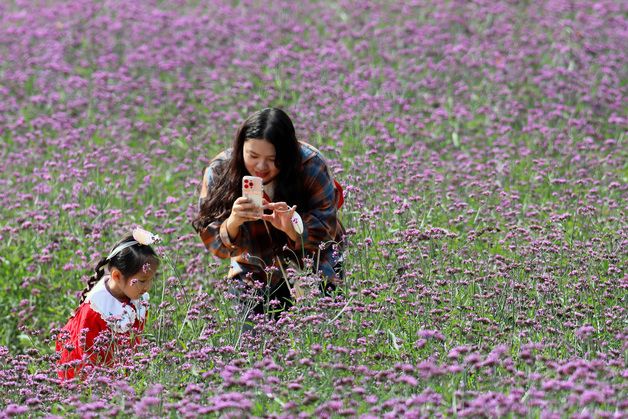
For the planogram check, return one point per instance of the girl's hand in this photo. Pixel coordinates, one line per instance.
(243, 210)
(281, 218)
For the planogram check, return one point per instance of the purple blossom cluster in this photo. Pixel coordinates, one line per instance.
(482, 149)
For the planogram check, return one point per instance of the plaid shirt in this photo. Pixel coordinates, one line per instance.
(259, 246)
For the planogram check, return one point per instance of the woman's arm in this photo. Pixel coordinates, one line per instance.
(320, 221)
(229, 236)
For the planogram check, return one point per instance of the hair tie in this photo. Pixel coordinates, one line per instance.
(121, 248)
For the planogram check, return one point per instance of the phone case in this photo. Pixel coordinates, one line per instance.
(253, 188)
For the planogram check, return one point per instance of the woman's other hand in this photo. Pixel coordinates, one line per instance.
(281, 218)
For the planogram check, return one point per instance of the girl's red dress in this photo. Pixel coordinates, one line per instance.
(100, 319)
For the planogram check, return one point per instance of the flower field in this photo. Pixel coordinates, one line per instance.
(483, 151)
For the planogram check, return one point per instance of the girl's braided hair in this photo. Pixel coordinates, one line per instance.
(128, 261)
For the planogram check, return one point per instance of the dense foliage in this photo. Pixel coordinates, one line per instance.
(482, 146)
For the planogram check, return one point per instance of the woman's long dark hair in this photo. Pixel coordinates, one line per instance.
(274, 126)
(128, 261)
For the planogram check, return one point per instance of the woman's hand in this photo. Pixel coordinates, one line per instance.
(281, 218)
(243, 210)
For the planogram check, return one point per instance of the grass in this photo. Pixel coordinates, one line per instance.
(501, 226)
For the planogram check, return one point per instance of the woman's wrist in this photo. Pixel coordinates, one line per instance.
(232, 229)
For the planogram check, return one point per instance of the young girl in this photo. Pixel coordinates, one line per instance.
(113, 306)
(295, 178)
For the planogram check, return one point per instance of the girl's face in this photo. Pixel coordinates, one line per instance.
(259, 159)
(134, 286)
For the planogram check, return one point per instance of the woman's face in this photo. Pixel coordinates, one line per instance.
(259, 159)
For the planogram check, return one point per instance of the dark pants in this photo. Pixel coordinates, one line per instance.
(271, 300)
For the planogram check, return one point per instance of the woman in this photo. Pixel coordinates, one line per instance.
(296, 181)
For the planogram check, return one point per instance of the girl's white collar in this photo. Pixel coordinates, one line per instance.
(119, 316)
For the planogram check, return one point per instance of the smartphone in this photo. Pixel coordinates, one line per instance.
(253, 188)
